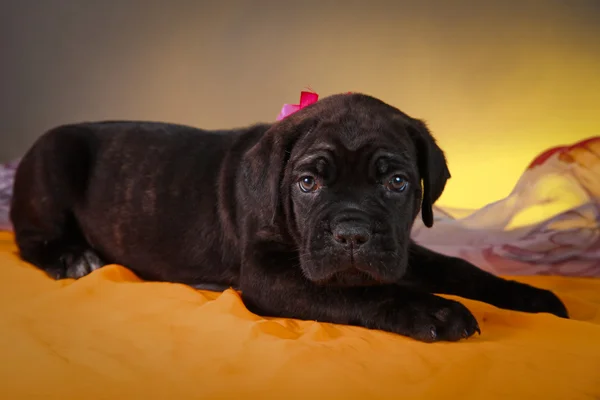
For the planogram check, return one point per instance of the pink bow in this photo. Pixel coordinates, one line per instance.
(306, 99)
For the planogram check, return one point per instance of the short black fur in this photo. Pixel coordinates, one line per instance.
(310, 217)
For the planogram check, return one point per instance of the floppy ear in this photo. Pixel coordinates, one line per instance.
(432, 168)
(263, 168)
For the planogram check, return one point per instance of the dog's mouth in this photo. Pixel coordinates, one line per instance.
(351, 277)
(328, 266)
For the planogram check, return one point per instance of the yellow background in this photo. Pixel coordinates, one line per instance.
(498, 82)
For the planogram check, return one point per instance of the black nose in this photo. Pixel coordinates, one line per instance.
(351, 236)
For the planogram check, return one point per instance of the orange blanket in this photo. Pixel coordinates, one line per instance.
(112, 336)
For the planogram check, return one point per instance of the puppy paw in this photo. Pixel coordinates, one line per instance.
(530, 299)
(80, 265)
(447, 321)
(437, 320)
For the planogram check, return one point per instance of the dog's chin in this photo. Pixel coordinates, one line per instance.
(325, 266)
(346, 276)
(351, 277)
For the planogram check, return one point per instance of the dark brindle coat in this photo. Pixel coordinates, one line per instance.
(309, 217)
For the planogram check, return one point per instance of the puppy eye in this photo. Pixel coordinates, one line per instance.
(308, 184)
(396, 183)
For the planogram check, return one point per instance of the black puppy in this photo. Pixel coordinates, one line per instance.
(309, 217)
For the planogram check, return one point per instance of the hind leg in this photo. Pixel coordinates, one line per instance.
(80, 264)
(48, 183)
(61, 257)
(49, 238)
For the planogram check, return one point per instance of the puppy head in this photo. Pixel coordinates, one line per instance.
(344, 180)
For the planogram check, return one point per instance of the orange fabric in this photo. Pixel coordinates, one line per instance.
(112, 336)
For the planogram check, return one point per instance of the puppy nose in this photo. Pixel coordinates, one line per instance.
(351, 236)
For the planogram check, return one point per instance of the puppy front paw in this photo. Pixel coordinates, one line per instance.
(534, 300)
(435, 320)
(517, 296)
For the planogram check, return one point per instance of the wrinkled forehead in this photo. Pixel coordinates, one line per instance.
(356, 135)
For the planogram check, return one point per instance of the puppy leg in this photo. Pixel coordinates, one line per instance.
(59, 256)
(272, 285)
(441, 274)
(46, 184)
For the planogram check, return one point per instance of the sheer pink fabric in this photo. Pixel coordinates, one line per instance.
(549, 224)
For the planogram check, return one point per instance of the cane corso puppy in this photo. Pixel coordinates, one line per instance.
(309, 217)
